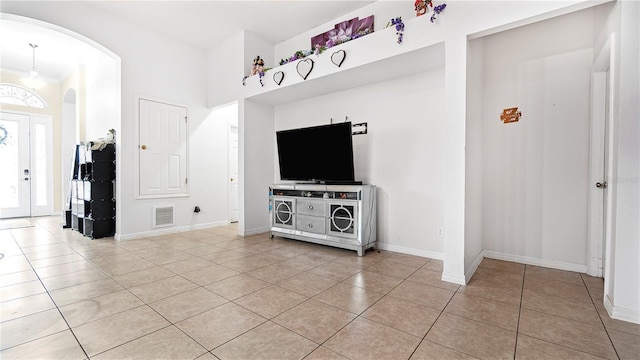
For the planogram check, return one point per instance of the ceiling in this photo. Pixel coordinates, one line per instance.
(201, 24)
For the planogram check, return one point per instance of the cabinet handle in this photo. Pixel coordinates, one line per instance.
(310, 207)
(310, 226)
(144, 147)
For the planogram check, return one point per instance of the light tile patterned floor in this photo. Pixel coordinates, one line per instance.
(210, 294)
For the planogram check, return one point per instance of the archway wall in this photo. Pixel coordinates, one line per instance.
(150, 66)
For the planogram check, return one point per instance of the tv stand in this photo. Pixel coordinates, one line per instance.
(337, 215)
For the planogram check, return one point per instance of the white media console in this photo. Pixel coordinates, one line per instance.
(337, 215)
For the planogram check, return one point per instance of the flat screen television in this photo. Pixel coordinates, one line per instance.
(319, 154)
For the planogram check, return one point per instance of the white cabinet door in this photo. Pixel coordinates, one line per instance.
(163, 149)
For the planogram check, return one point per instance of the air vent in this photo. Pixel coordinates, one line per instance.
(163, 216)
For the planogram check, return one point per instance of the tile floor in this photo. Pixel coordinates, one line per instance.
(210, 294)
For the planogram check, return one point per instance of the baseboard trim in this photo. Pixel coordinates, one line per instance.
(255, 231)
(560, 265)
(454, 278)
(168, 231)
(474, 267)
(410, 251)
(619, 313)
(210, 225)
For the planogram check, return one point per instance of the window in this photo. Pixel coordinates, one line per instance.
(17, 95)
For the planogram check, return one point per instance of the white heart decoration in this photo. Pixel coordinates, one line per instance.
(278, 77)
(304, 68)
(338, 57)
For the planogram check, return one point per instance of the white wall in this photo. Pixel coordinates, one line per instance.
(474, 159)
(224, 71)
(102, 98)
(255, 159)
(152, 66)
(626, 295)
(535, 176)
(622, 274)
(402, 154)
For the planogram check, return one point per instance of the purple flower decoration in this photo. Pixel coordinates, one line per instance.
(437, 10)
(399, 25)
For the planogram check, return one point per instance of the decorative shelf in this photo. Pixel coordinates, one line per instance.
(373, 58)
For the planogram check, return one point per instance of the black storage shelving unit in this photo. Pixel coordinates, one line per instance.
(92, 203)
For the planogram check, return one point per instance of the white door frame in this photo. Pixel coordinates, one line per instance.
(600, 213)
(232, 213)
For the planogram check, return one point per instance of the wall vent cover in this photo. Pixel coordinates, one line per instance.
(163, 216)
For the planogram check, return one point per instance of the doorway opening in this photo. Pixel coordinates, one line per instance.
(228, 114)
(87, 105)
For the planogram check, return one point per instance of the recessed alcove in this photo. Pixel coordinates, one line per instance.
(528, 182)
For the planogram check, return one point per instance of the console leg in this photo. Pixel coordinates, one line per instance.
(360, 251)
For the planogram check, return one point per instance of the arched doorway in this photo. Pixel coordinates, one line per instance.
(77, 96)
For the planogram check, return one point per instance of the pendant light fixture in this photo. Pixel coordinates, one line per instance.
(33, 81)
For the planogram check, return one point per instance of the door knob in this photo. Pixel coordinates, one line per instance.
(143, 147)
(601, 185)
(231, 179)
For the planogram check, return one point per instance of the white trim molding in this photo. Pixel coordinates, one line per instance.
(168, 231)
(560, 265)
(249, 232)
(473, 268)
(453, 278)
(619, 313)
(410, 251)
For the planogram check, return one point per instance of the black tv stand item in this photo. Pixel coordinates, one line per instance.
(337, 182)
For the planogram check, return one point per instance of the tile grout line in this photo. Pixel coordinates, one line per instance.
(434, 322)
(515, 345)
(600, 317)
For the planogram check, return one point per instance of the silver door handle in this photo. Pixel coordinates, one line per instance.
(601, 185)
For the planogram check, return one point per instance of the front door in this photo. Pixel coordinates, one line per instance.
(26, 179)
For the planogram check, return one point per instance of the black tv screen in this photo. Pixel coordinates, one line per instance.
(319, 153)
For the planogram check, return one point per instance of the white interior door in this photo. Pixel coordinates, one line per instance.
(600, 204)
(26, 181)
(162, 149)
(604, 183)
(233, 173)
